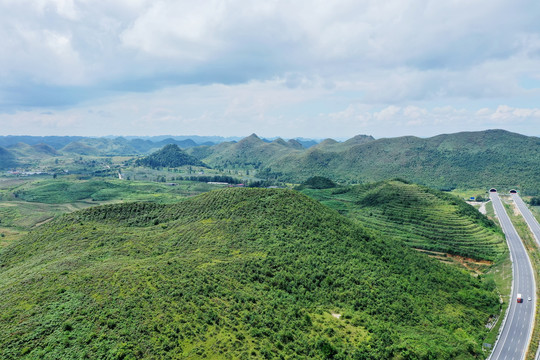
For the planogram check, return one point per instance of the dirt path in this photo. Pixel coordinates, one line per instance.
(482, 208)
(43, 222)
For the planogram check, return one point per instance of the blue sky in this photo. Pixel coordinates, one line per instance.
(277, 68)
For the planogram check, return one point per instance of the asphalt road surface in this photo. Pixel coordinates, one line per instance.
(516, 332)
(529, 217)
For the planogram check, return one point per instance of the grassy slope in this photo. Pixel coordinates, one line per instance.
(27, 203)
(61, 191)
(420, 217)
(236, 273)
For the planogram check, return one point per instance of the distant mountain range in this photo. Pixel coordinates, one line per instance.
(105, 145)
(463, 160)
(468, 159)
(117, 145)
(16, 151)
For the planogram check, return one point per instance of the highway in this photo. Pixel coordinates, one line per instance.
(516, 332)
(529, 217)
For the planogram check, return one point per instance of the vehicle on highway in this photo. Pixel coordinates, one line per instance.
(519, 298)
(529, 299)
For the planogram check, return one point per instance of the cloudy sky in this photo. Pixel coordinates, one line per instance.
(305, 68)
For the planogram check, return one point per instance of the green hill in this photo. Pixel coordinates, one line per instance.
(250, 151)
(32, 152)
(333, 145)
(170, 156)
(420, 217)
(79, 148)
(105, 146)
(232, 274)
(45, 149)
(7, 159)
(464, 160)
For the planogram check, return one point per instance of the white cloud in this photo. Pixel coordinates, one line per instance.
(505, 114)
(188, 30)
(260, 64)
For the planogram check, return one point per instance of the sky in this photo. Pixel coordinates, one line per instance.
(304, 68)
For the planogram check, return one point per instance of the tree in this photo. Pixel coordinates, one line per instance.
(319, 182)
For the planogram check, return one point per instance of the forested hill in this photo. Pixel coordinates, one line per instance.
(468, 159)
(234, 273)
(7, 159)
(170, 156)
(250, 151)
(418, 216)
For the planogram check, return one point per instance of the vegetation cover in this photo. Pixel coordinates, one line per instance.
(38, 151)
(317, 182)
(483, 159)
(170, 156)
(233, 273)
(467, 160)
(70, 190)
(7, 159)
(421, 217)
(251, 152)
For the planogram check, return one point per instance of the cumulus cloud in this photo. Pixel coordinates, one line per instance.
(410, 57)
(269, 108)
(283, 36)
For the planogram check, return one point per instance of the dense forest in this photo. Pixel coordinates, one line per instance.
(232, 273)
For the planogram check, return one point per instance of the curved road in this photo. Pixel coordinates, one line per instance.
(516, 332)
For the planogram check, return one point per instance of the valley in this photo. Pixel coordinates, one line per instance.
(217, 251)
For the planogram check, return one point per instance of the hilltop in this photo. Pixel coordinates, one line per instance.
(232, 273)
(418, 216)
(250, 151)
(170, 156)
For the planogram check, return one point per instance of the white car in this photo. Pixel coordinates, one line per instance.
(529, 298)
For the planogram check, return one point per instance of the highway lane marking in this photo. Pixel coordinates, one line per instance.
(517, 255)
